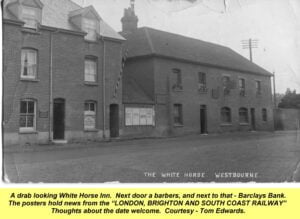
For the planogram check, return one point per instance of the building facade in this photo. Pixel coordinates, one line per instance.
(191, 86)
(61, 65)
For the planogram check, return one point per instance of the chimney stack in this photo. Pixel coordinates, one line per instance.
(129, 20)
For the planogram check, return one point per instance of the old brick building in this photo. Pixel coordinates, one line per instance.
(173, 85)
(61, 63)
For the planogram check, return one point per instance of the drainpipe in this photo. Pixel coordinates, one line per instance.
(51, 86)
(103, 88)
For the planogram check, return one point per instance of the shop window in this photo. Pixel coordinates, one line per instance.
(139, 116)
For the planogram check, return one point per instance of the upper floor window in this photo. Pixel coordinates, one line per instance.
(90, 27)
(28, 63)
(242, 87)
(226, 115)
(27, 115)
(90, 70)
(89, 115)
(30, 17)
(178, 120)
(202, 82)
(243, 115)
(226, 85)
(178, 79)
(264, 115)
(258, 87)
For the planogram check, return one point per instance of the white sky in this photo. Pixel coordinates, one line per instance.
(275, 23)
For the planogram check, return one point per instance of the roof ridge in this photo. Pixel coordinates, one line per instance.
(187, 37)
(75, 3)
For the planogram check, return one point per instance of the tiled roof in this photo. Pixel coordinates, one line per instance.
(56, 14)
(147, 41)
(134, 93)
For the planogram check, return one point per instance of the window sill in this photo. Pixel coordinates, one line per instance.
(27, 132)
(29, 79)
(178, 125)
(91, 41)
(91, 83)
(177, 90)
(203, 90)
(30, 30)
(244, 124)
(141, 126)
(226, 124)
(91, 130)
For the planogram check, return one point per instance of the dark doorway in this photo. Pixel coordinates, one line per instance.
(59, 119)
(203, 119)
(253, 126)
(114, 120)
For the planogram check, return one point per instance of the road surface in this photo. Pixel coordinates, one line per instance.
(237, 157)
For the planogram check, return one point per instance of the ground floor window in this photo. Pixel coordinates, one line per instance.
(139, 116)
(243, 115)
(90, 115)
(226, 115)
(264, 115)
(27, 115)
(178, 120)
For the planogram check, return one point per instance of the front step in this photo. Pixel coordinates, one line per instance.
(60, 141)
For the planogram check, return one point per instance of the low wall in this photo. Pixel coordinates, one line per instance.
(287, 119)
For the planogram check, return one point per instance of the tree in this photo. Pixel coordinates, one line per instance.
(290, 100)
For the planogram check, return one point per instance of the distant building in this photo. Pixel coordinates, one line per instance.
(61, 64)
(174, 85)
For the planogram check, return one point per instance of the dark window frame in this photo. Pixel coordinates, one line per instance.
(178, 114)
(36, 65)
(26, 114)
(264, 112)
(226, 115)
(226, 83)
(243, 115)
(88, 112)
(242, 86)
(178, 79)
(93, 59)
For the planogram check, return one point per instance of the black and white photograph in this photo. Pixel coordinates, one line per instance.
(151, 91)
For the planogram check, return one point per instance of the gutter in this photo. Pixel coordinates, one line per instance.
(51, 85)
(103, 88)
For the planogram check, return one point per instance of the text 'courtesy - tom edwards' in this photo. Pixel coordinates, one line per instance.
(131, 203)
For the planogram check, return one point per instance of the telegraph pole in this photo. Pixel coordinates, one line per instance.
(250, 44)
(274, 91)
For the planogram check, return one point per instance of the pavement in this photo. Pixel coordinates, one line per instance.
(231, 157)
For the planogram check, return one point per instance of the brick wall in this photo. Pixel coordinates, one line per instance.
(69, 51)
(191, 98)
